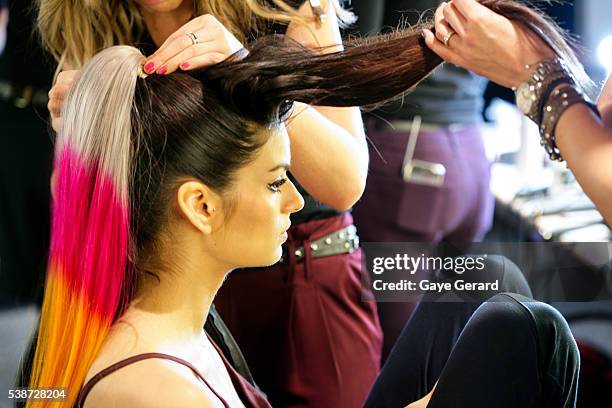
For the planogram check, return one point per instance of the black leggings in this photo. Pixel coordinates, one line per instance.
(508, 351)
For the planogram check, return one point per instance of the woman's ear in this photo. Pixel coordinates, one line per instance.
(199, 204)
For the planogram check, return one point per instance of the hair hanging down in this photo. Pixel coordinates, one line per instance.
(128, 142)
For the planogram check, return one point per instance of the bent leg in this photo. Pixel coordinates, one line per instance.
(425, 344)
(514, 352)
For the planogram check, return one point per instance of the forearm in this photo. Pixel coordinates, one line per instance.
(328, 145)
(329, 161)
(587, 147)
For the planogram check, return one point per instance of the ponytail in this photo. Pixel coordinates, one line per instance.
(368, 72)
(88, 271)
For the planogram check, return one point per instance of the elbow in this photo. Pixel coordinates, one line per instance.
(351, 187)
(348, 194)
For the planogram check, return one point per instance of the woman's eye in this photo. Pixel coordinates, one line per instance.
(275, 186)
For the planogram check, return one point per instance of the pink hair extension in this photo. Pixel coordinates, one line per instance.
(87, 281)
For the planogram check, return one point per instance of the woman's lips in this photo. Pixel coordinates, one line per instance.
(284, 235)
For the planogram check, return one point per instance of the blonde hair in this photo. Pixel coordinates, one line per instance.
(74, 31)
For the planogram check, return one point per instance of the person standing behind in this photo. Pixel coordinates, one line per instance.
(429, 174)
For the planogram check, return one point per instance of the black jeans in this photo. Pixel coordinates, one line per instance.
(508, 351)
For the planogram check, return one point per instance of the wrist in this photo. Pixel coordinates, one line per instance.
(532, 93)
(562, 98)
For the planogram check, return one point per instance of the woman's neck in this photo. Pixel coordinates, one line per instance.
(174, 308)
(162, 24)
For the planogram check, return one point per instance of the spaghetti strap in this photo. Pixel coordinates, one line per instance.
(130, 360)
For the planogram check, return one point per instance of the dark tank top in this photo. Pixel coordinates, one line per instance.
(313, 209)
(250, 396)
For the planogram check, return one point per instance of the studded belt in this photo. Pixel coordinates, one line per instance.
(343, 241)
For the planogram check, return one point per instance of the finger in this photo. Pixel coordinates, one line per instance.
(54, 106)
(439, 13)
(441, 26)
(442, 29)
(57, 94)
(470, 9)
(67, 77)
(59, 90)
(189, 58)
(439, 48)
(56, 123)
(204, 60)
(455, 20)
(166, 59)
(158, 62)
(199, 24)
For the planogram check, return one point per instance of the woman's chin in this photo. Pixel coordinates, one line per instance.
(277, 256)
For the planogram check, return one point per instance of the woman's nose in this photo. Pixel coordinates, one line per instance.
(295, 201)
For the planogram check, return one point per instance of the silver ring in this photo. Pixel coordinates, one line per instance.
(193, 37)
(448, 36)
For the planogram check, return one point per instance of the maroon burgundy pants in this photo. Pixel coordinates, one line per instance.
(392, 210)
(307, 336)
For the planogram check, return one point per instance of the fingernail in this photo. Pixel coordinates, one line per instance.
(162, 70)
(150, 67)
(423, 33)
(185, 65)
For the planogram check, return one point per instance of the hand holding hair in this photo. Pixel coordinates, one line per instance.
(485, 42)
(58, 93)
(201, 42)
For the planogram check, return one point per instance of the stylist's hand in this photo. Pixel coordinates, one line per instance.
(58, 93)
(604, 103)
(485, 42)
(214, 44)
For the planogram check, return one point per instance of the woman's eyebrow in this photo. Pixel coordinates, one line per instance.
(285, 166)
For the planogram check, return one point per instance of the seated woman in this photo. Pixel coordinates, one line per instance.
(164, 184)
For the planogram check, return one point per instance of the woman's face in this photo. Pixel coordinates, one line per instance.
(262, 198)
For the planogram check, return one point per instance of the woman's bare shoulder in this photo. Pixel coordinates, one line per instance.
(151, 383)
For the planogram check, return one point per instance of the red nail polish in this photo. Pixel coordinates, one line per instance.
(185, 65)
(162, 70)
(150, 67)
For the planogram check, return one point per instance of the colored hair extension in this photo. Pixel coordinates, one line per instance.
(88, 280)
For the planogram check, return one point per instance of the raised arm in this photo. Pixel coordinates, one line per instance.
(328, 145)
(493, 46)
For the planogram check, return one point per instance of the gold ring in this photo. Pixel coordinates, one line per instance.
(448, 36)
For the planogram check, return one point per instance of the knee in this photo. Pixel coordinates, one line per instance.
(553, 329)
(550, 330)
(502, 314)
